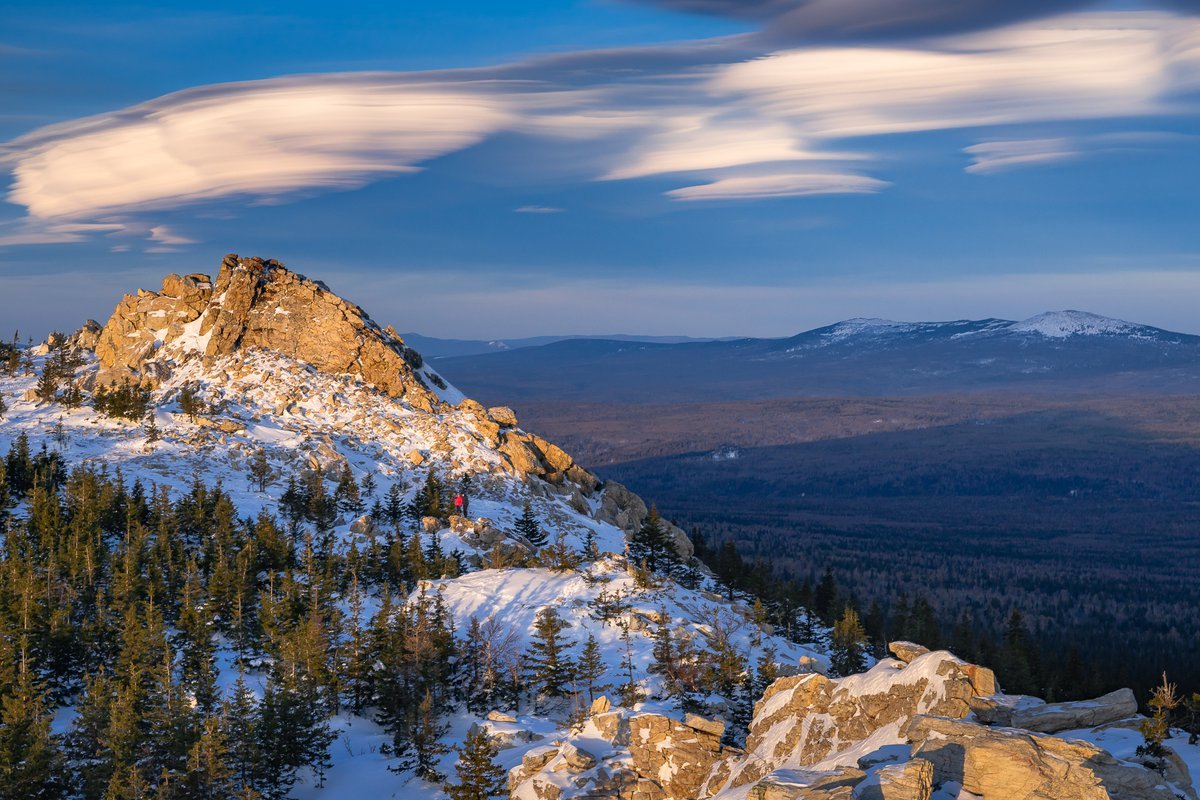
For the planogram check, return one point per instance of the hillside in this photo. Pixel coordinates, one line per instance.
(232, 569)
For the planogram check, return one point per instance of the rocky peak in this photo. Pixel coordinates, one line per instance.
(257, 303)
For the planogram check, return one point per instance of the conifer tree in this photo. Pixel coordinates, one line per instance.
(527, 526)
(825, 596)
(590, 668)
(241, 728)
(548, 667)
(3, 406)
(153, 434)
(260, 469)
(479, 776)
(651, 545)
(426, 734)
(47, 385)
(32, 766)
(847, 649)
(347, 495)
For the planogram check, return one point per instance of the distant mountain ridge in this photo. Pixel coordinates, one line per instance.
(1054, 351)
(434, 347)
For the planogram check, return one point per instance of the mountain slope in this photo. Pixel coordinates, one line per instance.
(234, 412)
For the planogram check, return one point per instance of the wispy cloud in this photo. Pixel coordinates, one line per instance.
(165, 236)
(32, 231)
(766, 126)
(1000, 156)
(859, 20)
(538, 210)
(1007, 154)
(780, 185)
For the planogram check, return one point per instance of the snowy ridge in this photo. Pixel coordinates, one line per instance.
(1063, 324)
(302, 417)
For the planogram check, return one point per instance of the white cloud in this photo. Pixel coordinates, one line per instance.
(1080, 66)
(538, 210)
(1006, 154)
(28, 232)
(787, 184)
(987, 157)
(270, 139)
(164, 235)
(264, 138)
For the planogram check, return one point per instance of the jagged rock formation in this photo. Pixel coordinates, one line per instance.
(260, 304)
(256, 303)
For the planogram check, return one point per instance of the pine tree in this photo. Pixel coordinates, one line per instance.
(241, 728)
(346, 495)
(548, 667)
(527, 526)
(847, 649)
(479, 776)
(3, 406)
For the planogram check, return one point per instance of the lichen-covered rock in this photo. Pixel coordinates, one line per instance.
(912, 780)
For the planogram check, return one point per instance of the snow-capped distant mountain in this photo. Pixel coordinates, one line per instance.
(1054, 351)
(1061, 324)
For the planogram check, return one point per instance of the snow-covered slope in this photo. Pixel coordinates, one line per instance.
(303, 417)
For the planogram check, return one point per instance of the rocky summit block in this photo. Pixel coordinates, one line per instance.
(256, 303)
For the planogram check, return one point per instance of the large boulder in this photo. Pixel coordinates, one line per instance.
(808, 719)
(1032, 714)
(1011, 764)
(835, 784)
(673, 754)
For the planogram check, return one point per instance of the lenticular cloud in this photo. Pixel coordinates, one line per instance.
(764, 127)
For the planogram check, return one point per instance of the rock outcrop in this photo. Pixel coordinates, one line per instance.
(803, 720)
(261, 304)
(1011, 764)
(641, 756)
(256, 303)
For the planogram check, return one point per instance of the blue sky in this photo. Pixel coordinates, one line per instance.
(703, 167)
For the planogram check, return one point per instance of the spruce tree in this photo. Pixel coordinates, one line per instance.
(548, 667)
(426, 734)
(479, 776)
(651, 545)
(825, 597)
(590, 668)
(527, 526)
(32, 765)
